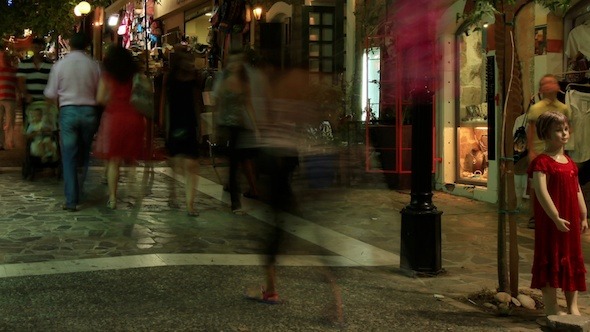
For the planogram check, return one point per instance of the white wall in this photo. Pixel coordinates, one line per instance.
(198, 27)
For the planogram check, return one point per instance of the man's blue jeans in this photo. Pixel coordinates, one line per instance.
(77, 128)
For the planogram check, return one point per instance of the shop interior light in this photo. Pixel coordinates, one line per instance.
(257, 13)
(113, 20)
(208, 14)
(486, 25)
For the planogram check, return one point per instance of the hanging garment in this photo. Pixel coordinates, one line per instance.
(578, 40)
(579, 103)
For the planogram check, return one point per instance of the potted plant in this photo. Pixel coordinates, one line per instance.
(321, 146)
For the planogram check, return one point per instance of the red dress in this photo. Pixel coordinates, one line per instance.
(122, 129)
(558, 259)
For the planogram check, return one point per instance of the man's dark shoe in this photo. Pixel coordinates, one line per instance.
(69, 209)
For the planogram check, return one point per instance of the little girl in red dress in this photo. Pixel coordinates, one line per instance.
(560, 218)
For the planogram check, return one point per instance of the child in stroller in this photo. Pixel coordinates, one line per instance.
(42, 137)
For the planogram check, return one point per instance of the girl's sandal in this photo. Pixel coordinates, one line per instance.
(263, 296)
(238, 212)
(193, 213)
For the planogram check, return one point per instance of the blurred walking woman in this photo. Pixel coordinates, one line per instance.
(121, 135)
(182, 87)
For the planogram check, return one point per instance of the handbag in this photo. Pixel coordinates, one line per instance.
(142, 95)
(520, 149)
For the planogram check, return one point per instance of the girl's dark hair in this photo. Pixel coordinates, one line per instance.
(546, 121)
(119, 63)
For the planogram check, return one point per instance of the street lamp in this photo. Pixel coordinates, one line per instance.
(257, 13)
(81, 10)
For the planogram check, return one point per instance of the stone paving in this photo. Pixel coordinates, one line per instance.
(33, 228)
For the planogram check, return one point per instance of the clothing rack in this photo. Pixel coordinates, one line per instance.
(572, 72)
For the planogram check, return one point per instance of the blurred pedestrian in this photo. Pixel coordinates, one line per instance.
(72, 85)
(182, 141)
(236, 119)
(33, 74)
(121, 134)
(549, 88)
(8, 95)
(560, 217)
(280, 137)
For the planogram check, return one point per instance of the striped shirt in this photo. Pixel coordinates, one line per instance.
(7, 83)
(35, 79)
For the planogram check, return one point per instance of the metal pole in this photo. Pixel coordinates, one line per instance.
(421, 241)
(421, 221)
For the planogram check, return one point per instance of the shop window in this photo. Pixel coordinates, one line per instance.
(371, 78)
(474, 86)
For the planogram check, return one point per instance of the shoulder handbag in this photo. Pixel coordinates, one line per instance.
(520, 141)
(520, 149)
(142, 95)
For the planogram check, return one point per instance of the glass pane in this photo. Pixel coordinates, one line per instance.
(314, 34)
(327, 34)
(314, 65)
(328, 19)
(314, 18)
(327, 65)
(327, 50)
(314, 49)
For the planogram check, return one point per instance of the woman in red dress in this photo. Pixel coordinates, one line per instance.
(560, 218)
(121, 135)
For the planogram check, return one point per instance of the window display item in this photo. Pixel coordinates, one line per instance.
(475, 114)
(475, 162)
(473, 155)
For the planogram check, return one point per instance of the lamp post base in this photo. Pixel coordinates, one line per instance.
(421, 241)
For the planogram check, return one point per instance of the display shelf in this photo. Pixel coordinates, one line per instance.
(482, 123)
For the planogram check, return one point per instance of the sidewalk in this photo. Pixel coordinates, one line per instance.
(188, 274)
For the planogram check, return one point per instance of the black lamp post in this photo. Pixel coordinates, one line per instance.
(81, 10)
(421, 221)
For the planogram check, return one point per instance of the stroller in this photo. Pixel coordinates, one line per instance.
(42, 140)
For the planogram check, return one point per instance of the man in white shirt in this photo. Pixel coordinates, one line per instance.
(72, 85)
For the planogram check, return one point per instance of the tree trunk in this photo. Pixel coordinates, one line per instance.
(511, 80)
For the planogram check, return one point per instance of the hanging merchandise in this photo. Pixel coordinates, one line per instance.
(214, 20)
(150, 10)
(231, 16)
(214, 55)
(155, 33)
